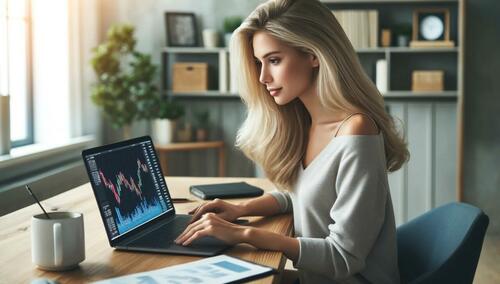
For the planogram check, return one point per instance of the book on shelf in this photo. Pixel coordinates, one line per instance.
(360, 26)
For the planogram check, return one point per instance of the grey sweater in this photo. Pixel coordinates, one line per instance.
(343, 215)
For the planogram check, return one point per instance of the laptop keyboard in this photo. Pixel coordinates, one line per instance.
(164, 235)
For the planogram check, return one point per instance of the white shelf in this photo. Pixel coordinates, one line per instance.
(195, 49)
(387, 1)
(391, 94)
(203, 94)
(421, 95)
(393, 49)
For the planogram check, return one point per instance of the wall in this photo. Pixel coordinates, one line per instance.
(482, 87)
(482, 109)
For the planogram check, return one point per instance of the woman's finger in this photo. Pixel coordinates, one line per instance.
(205, 208)
(198, 234)
(188, 228)
(189, 233)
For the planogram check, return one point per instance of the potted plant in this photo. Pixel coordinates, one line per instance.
(231, 24)
(124, 90)
(165, 124)
(202, 125)
(403, 34)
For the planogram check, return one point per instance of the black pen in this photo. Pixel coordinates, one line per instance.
(181, 200)
(36, 199)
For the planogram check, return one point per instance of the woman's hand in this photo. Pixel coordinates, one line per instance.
(211, 224)
(221, 208)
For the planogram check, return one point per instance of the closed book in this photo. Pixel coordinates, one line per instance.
(225, 190)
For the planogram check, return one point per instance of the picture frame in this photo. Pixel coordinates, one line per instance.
(181, 29)
(438, 14)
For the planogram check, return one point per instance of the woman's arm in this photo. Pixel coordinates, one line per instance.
(212, 225)
(265, 205)
(263, 239)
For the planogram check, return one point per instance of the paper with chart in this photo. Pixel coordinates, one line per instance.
(217, 269)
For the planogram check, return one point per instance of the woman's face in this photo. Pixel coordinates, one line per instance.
(286, 72)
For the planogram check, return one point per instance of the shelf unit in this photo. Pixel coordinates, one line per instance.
(432, 119)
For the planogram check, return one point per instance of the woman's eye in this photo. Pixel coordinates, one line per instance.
(274, 60)
(257, 62)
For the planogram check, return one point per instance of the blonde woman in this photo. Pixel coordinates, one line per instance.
(317, 126)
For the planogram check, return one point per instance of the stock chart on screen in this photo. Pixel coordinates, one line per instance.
(129, 185)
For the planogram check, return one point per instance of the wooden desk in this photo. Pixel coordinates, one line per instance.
(104, 262)
(190, 146)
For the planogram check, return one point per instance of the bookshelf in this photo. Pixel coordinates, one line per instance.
(432, 121)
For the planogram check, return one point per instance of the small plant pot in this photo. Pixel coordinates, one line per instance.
(164, 131)
(201, 134)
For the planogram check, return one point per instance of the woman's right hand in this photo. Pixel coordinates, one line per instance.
(225, 210)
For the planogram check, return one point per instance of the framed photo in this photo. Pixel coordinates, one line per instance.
(181, 29)
(432, 24)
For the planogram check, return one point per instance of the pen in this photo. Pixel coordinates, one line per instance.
(36, 199)
(181, 200)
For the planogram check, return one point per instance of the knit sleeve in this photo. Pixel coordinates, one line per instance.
(284, 200)
(356, 216)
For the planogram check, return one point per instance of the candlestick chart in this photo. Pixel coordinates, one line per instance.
(129, 187)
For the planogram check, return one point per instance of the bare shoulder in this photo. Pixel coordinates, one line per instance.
(358, 124)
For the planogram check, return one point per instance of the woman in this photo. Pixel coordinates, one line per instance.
(317, 126)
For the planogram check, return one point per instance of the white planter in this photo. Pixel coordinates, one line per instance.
(4, 125)
(227, 39)
(163, 131)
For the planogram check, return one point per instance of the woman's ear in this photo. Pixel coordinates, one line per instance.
(314, 60)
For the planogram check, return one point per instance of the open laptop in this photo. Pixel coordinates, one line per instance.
(134, 201)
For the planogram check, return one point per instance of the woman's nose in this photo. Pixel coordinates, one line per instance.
(264, 77)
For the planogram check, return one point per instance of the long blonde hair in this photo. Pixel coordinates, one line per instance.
(275, 136)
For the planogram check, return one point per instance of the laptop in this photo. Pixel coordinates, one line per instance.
(135, 203)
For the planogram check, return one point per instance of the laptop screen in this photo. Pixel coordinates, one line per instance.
(128, 184)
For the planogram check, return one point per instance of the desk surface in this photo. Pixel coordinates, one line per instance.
(104, 262)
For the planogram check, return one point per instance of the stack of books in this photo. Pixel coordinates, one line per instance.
(360, 26)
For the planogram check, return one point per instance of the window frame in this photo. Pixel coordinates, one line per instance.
(29, 76)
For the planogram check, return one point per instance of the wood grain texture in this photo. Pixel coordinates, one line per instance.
(104, 262)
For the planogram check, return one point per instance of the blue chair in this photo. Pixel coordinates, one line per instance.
(442, 245)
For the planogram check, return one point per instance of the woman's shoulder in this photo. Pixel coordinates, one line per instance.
(358, 124)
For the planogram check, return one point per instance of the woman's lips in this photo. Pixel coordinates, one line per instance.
(274, 92)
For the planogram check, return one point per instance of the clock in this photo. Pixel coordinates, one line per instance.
(431, 28)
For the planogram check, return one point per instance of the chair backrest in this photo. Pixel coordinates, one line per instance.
(442, 245)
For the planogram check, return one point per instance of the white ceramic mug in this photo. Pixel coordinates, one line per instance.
(57, 243)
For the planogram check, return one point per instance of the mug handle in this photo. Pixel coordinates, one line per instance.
(58, 250)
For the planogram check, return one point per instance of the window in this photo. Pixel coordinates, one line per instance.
(15, 79)
(35, 69)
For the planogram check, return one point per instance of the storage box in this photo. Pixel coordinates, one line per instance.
(429, 80)
(190, 76)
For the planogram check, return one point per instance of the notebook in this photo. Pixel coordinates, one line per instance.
(225, 190)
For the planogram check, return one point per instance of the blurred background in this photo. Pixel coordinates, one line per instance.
(75, 74)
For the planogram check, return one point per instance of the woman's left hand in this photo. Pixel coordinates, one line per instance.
(212, 225)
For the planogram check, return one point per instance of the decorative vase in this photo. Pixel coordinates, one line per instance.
(163, 131)
(184, 135)
(4, 125)
(227, 39)
(127, 131)
(201, 134)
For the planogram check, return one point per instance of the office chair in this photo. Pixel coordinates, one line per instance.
(442, 245)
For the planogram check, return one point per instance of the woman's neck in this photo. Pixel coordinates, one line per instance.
(320, 115)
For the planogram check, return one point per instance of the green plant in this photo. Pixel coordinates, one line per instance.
(403, 29)
(124, 88)
(202, 119)
(232, 23)
(166, 109)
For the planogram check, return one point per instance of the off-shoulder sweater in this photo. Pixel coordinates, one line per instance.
(343, 214)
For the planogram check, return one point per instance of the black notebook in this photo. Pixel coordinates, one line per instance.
(225, 190)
